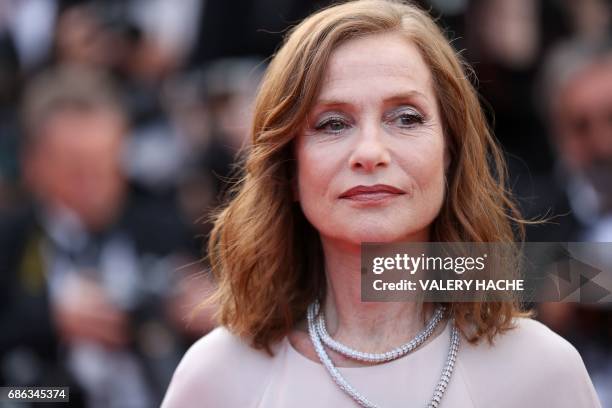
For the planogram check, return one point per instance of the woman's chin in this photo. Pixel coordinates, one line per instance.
(378, 235)
(372, 230)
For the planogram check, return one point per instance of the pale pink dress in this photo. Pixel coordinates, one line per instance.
(527, 367)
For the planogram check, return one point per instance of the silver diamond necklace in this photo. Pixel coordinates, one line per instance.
(315, 337)
(379, 357)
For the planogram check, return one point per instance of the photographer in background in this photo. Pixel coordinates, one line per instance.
(577, 102)
(87, 283)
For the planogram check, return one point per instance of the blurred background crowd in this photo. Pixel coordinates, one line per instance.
(119, 124)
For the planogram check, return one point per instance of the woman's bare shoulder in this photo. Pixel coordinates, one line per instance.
(530, 360)
(218, 370)
(528, 342)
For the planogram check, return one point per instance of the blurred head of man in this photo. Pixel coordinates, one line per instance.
(72, 157)
(580, 114)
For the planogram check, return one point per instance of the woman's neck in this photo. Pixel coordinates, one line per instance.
(367, 326)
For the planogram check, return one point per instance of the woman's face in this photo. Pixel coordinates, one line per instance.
(371, 157)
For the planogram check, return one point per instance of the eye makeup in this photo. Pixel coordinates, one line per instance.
(335, 122)
(404, 117)
(332, 123)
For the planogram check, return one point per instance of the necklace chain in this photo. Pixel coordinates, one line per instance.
(316, 338)
(379, 357)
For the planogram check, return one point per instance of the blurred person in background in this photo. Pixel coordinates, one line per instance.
(105, 36)
(209, 110)
(577, 103)
(89, 287)
(505, 41)
(591, 20)
(143, 45)
(231, 84)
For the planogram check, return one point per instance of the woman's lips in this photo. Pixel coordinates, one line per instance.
(373, 193)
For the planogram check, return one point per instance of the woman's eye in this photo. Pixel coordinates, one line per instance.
(407, 119)
(332, 125)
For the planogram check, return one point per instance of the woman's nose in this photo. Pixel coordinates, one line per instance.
(370, 151)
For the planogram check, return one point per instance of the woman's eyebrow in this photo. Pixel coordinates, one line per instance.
(396, 97)
(330, 104)
(410, 95)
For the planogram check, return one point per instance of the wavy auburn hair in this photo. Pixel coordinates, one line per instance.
(266, 256)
